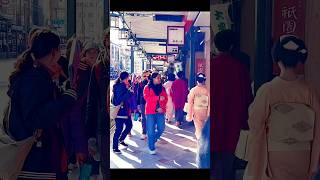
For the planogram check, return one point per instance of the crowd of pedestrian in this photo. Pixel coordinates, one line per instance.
(156, 100)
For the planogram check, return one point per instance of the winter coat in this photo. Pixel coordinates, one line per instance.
(231, 97)
(122, 95)
(179, 93)
(152, 99)
(36, 103)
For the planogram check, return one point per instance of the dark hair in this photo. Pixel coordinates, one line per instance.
(156, 88)
(154, 75)
(201, 78)
(180, 74)
(171, 77)
(123, 75)
(40, 48)
(290, 56)
(224, 40)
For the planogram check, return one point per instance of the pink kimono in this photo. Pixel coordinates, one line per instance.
(290, 164)
(198, 107)
(170, 108)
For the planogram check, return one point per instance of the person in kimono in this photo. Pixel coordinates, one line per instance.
(198, 104)
(284, 121)
(231, 96)
(170, 109)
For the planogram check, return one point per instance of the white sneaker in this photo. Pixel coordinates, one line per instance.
(152, 152)
(143, 137)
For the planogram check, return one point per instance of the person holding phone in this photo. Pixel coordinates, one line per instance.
(156, 100)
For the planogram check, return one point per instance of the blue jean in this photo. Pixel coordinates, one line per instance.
(203, 155)
(154, 121)
(121, 134)
(179, 115)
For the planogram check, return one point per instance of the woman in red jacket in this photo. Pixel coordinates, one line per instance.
(156, 99)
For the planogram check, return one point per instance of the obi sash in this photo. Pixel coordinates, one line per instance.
(201, 102)
(291, 127)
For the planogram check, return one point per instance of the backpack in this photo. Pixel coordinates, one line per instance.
(15, 152)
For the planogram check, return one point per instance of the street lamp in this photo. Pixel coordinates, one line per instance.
(124, 33)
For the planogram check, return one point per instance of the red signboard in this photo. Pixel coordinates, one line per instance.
(200, 66)
(160, 57)
(288, 18)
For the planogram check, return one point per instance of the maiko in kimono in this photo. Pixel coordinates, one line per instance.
(284, 121)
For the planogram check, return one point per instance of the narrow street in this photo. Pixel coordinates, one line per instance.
(176, 149)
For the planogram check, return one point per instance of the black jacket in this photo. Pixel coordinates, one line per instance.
(121, 95)
(36, 103)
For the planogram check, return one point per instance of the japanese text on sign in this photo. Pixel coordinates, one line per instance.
(175, 35)
(289, 16)
(220, 17)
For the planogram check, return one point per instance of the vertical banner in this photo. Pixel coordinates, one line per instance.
(219, 20)
(288, 18)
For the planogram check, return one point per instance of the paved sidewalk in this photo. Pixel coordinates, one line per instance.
(176, 149)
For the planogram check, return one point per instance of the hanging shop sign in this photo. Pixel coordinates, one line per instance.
(220, 19)
(288, 19)
(173, 49)
(175, 35)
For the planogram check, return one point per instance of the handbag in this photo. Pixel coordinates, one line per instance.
(186, 107)
(136, 116)
(114, 111)
(85, 171)
(242, 146)
(15, 152)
